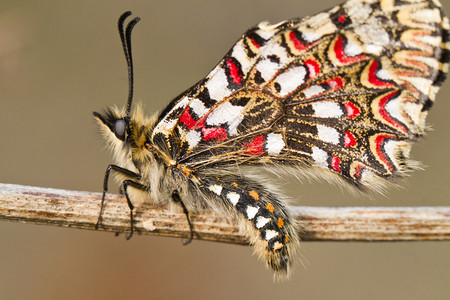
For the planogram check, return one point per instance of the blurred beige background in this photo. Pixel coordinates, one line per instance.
(61, 60)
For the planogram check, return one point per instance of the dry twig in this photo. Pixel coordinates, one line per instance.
(80, 210)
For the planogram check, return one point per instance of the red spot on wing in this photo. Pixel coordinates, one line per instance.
(385, 115)
(379, 140)
(373, 79)
(235, 72)
(349, 140)
(255, 43)
(297, 43)
(186, 119)
(340, 53)
(335, 83)
(215, 133)
(352, 110)
(358, 170)
(313, 67)
(335, 162)
(255, 147)
(341, 18)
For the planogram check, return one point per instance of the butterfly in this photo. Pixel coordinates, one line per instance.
(340, 95)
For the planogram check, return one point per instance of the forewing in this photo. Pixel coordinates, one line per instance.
(198, 102)
(346, 90)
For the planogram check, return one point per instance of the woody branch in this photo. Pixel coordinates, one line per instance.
(77, 209)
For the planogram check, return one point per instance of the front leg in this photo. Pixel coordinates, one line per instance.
(138, 186)
(117, 169)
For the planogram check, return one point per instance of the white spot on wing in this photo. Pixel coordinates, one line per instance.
(270, 234)
(291, 79)
(251, 212)
(274, 143)
(313, 90)
(226, 113)
(218, 85)
(266, 30)
(261, 221)
(267, 68)
(374, 49)
(320, 157)
(233, 197)
(373, 35)
(393, 107)
(311, 36)
(315, 27)
(216, 189)
(391, 148)
(384, 74)
(240, 54)
(327, 109)
(193, 137)
(328, 134)
(198, 107)
(357, 11)
(167, 125)
(279, 51)
(366, 175)
(352, 49)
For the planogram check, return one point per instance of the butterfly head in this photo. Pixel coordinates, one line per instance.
(114, 124)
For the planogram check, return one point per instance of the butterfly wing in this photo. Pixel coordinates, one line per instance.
(346, 91)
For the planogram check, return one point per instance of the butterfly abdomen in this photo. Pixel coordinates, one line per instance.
(263, 216)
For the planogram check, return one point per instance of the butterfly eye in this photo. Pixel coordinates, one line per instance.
(119, 129)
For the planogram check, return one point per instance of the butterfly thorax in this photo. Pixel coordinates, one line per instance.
(139, 154)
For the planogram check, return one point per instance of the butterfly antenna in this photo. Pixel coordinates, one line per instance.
(125, 37)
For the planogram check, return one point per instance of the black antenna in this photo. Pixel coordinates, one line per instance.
(125, 37)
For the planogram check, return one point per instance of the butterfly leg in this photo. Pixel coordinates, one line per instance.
(177, 199)
(136, 185)
(117, 169)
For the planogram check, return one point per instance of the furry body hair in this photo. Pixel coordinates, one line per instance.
(162, 178)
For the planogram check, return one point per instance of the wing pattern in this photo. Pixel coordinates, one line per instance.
(346, 90)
